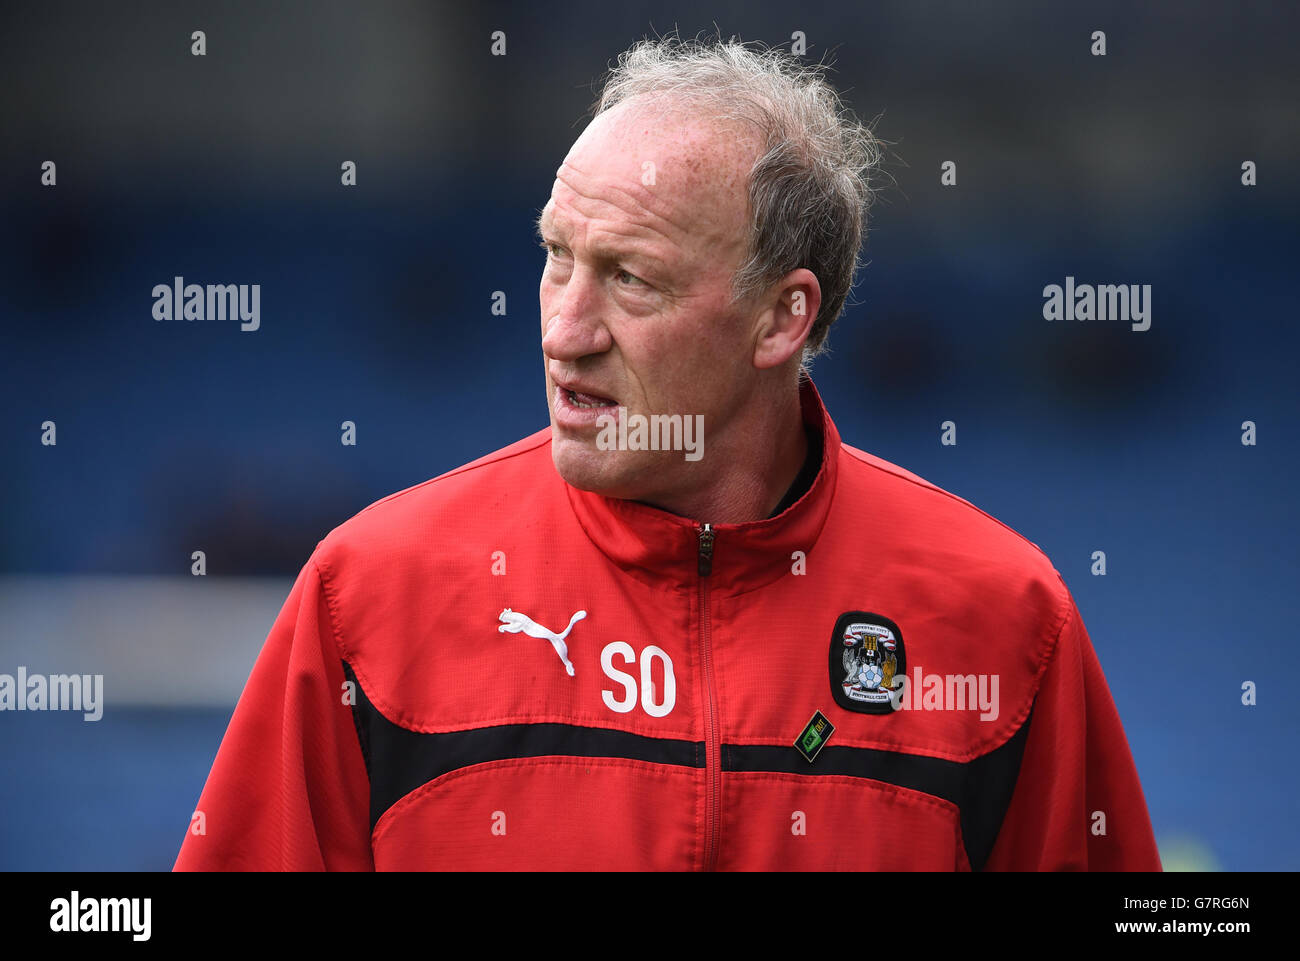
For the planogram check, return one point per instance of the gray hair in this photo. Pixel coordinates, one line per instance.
(809, 191)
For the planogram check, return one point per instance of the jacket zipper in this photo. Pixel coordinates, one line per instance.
(713, 767)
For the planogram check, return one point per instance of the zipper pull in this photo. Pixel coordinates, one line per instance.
(706, 550)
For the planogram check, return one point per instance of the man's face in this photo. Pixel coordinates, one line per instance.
(644, 230)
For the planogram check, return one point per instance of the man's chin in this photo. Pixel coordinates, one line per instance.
(588, 469)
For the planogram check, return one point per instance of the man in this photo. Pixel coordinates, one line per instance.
(666, 684)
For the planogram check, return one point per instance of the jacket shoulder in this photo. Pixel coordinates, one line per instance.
(944, 521)
(1003, 599)
(469, 499)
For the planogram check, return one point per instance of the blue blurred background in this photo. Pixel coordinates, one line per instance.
(178, 436)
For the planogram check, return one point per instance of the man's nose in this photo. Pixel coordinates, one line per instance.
(574, 327)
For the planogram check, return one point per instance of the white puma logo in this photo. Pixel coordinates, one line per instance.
(514, 622)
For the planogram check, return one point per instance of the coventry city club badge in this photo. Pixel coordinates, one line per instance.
(867, 663)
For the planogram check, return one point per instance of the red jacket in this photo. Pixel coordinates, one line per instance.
(402, 715)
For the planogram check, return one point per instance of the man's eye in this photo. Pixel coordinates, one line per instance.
(633, 279)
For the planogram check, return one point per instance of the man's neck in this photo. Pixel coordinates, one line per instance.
(759, 473)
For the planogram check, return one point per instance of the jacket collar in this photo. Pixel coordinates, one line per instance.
(660, 548)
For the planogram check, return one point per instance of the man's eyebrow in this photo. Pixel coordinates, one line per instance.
(609, 252)
(539, 226)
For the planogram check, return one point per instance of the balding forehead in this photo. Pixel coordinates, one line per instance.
(687, 176)
(585, 187)
(704, 147)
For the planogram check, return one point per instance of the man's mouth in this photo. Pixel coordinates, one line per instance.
(586, 401)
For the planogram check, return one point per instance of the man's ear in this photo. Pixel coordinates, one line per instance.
(785, 318)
